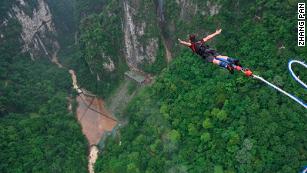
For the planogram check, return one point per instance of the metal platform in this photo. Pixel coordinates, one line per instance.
(139, 78)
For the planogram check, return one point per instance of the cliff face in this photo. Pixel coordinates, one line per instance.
(114, 36)
(38, 30)
(149, 29)
(150, 26)
(120, 35)
(139, 47)
(153, 26)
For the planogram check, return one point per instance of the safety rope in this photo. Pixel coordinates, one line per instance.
(92, 109)
(86, 94)
(301, 102)
(293, 74)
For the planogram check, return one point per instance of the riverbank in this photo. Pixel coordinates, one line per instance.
(94, 118)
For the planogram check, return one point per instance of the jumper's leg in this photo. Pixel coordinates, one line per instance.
(230, 60)
(223, 64)
(222, 57)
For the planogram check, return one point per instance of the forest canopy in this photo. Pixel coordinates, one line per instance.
(198, 118)
(37, 131)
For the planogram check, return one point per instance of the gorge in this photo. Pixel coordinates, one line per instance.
(104, 86)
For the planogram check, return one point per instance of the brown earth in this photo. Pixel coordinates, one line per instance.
(93, 118)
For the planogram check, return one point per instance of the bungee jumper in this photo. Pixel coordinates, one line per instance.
(210, 55)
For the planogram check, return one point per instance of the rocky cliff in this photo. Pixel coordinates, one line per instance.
(150, 26)
(116, 36)
(38, 35)
(37, 28)
(141, 46)
(148, 30)
(112, 36)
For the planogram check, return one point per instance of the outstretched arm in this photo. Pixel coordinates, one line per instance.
(217, 32)
(184, 42)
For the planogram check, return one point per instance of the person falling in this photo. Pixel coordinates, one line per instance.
(210, 55)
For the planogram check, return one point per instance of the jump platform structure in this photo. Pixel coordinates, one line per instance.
(135, 76)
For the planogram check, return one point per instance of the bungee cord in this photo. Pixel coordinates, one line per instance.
(295, 77)
(293, 74)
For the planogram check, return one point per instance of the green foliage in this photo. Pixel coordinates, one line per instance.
(85, 7)
(205, 137)
(41, 143)
(198, 118)
(218, 169)
(101, 43)
(173, 136)
(102, 40)
(195, 118)
(4, 7)
(65, 20)
(207, 124)
(189, 123)
(132, 86)
(159, 64)
(37, 132)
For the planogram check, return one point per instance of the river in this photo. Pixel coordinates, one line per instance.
(93, 117)
(92, 114)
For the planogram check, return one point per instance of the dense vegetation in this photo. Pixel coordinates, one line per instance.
(194, 118)
(97, 40)
(37, 132)
(65, 20)
(100, 43)
(191, 121)
(101, 40)
(198, 118)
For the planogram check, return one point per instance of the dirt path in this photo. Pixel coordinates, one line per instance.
(54, 57)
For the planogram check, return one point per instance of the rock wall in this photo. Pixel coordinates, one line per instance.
(38, 31)
(139, 48)
(148, 24)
